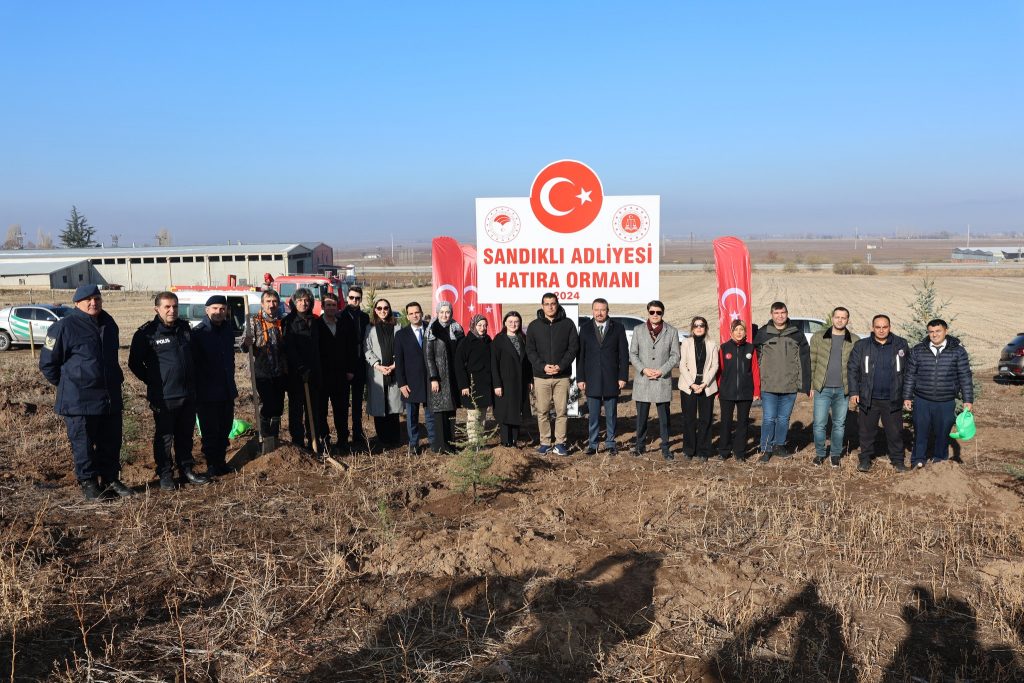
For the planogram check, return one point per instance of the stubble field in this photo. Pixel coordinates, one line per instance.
(601, 568)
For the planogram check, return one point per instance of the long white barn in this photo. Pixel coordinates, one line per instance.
(157, 268)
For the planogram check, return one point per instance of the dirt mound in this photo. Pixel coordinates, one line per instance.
(954, 483)
(284, 459)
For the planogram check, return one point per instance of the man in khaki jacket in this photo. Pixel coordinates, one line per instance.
(830, 353)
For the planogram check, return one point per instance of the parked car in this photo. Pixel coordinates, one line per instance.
(1011, 358)
(21, 324)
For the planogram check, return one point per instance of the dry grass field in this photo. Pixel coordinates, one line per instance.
(574, 569)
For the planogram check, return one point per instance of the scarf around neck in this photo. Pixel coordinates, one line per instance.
(655, 330)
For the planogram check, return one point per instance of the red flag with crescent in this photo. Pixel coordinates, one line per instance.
(454, 280)
(732, 266)
(470, 305)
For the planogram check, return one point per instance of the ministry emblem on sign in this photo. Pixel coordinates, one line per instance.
(502, 224)
(631, 223)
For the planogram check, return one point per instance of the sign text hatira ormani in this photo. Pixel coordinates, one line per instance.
(607, 255)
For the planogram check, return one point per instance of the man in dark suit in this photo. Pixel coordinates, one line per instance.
(601, 372)
(411, 373)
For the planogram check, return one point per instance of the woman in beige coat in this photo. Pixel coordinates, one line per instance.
(698, 370)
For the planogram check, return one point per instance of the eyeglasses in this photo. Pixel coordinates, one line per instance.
(355, 298)
(654, 312)
(700, 325)
(381, 308)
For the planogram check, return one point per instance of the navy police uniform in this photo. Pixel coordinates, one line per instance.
(79, 357)
(162, 357)
(214, 347)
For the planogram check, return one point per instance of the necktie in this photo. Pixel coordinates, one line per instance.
(600, 333)
(419, 336)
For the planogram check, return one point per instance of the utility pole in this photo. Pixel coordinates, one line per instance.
(968, 235)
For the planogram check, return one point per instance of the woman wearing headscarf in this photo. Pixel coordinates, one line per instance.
(473, 375)
(698, 368)
(738, 385)
(512, 377)
(439, 345)
(653, 352)
(384, 399)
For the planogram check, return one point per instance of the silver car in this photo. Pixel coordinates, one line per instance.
(28, 323)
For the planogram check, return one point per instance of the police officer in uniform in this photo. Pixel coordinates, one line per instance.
(79, 357)
(161, 355)
(214, 344)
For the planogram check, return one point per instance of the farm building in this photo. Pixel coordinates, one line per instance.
(43, 273)
(988, 254)
(156, 268)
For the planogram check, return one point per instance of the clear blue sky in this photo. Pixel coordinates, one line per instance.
(332, 121)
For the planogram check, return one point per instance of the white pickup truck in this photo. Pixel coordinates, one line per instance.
(27, 322)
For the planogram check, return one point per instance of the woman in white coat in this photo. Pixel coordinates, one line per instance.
(384, 399)
(698, 372)
(653, 352)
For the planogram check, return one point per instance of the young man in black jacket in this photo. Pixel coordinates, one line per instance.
(875, 373)
(551, 345)
(938, 371)
(354, 322)
(161, 356)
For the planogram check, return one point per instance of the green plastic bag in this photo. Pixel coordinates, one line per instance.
(964, 428)
(238, 428)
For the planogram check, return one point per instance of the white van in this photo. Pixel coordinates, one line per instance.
(192, 307)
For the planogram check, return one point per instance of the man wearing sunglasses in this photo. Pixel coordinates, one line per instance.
(355, 323)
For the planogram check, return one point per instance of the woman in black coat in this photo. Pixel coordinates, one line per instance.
(737, 387)
(512, 378)
(473, 375)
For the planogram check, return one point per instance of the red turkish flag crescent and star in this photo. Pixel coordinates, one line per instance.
(732, 266)
(455, 280)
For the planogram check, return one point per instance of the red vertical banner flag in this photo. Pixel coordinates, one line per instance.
(732, 265)
(446, 267)
(454, 278)
(470, 305)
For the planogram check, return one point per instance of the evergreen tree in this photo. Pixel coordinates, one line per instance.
(78, 232)
(925, 306)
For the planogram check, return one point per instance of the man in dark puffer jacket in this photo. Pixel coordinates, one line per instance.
(938, 370)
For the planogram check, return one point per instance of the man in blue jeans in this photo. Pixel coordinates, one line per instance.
(785, 364)
(830, 353)
(601, 372)
(938, 371)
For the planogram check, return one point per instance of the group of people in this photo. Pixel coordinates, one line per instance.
(325, 364)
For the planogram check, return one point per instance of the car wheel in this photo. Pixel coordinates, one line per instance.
(5, 341)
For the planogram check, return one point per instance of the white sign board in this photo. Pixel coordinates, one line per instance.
(567, 237)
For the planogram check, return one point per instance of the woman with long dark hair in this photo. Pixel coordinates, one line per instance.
(439, 345)
(384, 399)
(698, 370)
(512, 377)
(737, 387)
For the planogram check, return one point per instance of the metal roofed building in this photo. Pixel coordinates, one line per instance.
(988, 254)
(157, 268)
(44, 273)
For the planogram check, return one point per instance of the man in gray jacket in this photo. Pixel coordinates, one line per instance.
(785, 363)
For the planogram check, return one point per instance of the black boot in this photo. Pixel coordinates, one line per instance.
(90, 489)
(118, 488)
(191, 477)
(167, 482)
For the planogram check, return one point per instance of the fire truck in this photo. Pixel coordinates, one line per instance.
(285, 285)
